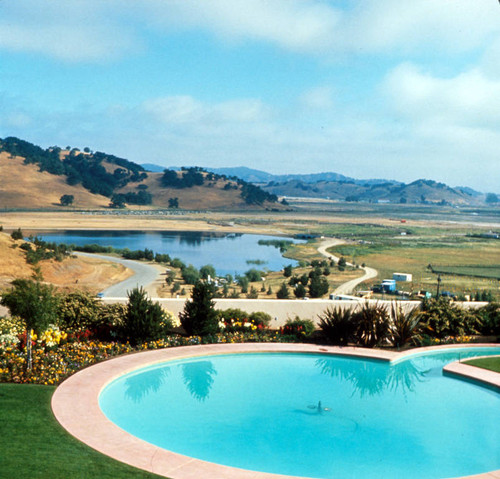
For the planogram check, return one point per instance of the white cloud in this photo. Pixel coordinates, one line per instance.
(92, 30)
(469, 98)
(318, 98)
(449, 25)
(69, 30)
(177, 110)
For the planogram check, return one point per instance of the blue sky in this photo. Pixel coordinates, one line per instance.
(366, 88)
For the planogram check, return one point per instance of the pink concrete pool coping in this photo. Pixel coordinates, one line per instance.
(75, 405)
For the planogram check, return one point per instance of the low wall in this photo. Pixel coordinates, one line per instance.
(280, 309)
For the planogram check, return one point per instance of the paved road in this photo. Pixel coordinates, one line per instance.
(145, 274)
(348, 286)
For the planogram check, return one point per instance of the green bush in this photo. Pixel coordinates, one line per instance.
(78, 310)
(283, 292)
(337, 325)
(301, 329)
(199, 316)
(441, 318)
(17, 234)
(144, 320)
(490, 319)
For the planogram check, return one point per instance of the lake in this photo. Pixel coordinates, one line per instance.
(229, 253)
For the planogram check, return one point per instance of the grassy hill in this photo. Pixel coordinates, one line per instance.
(25, 186)
(33, 178)
(420, 191)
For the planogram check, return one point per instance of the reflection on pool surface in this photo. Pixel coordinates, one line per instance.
(315, 415)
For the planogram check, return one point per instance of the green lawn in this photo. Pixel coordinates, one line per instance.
(487, 363)
(34, 446)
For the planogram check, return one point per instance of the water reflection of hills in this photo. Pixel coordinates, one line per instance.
(198, 378)
(370, 378)
(196, 238)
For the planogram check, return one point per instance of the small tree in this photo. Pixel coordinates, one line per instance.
(17, 234)
(299, 291)
(283, 292)
(35, 303)
(206, 271)
(199, 316)
(287, 271)
(342, 264)
(173, 202)
(253, 294)
(318, 286)
(145, 320)
(66, 200)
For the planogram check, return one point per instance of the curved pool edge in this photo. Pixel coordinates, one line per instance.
(75, 405)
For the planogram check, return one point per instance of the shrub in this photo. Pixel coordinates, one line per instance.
(372, 325)
(253, 275)
(337, 325)
(17, 234)
(442, 318)
(190, 274)
(199, 316)
(490, 319)
(301, 329)
(283, 292)
(253, 294)
(260, 318)
(299, 291)
(144, 320)
(405, 325)
(78, 310)
(234, 320)
(318, 286)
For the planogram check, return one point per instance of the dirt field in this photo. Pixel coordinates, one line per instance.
(91, 274)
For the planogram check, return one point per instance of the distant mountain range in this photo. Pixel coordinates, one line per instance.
(257, 176)
(338, 187)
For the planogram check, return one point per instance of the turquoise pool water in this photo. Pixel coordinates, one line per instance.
(315, 415)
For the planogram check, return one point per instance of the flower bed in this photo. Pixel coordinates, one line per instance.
(52, 364)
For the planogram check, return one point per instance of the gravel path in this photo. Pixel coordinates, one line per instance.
(348, 286)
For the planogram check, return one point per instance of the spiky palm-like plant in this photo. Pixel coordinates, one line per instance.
(337, 325)
(405, 324)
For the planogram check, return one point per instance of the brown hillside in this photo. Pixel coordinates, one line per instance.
(92, 274)
(24, 186)
(195, 198)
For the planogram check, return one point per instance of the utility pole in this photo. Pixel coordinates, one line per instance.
(439, 282)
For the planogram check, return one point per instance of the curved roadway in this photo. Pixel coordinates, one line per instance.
(144, 275)
(347, 287)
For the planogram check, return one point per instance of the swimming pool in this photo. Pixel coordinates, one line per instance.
(315, 415)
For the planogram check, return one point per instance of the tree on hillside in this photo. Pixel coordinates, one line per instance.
(492, 198)
(36, 304)
(173, 202)
(283, 292)
(287, 271)
(318, 286)
(66, 200)
(17, 234)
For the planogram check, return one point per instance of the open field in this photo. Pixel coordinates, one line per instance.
(414, 255)
(389, 238)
